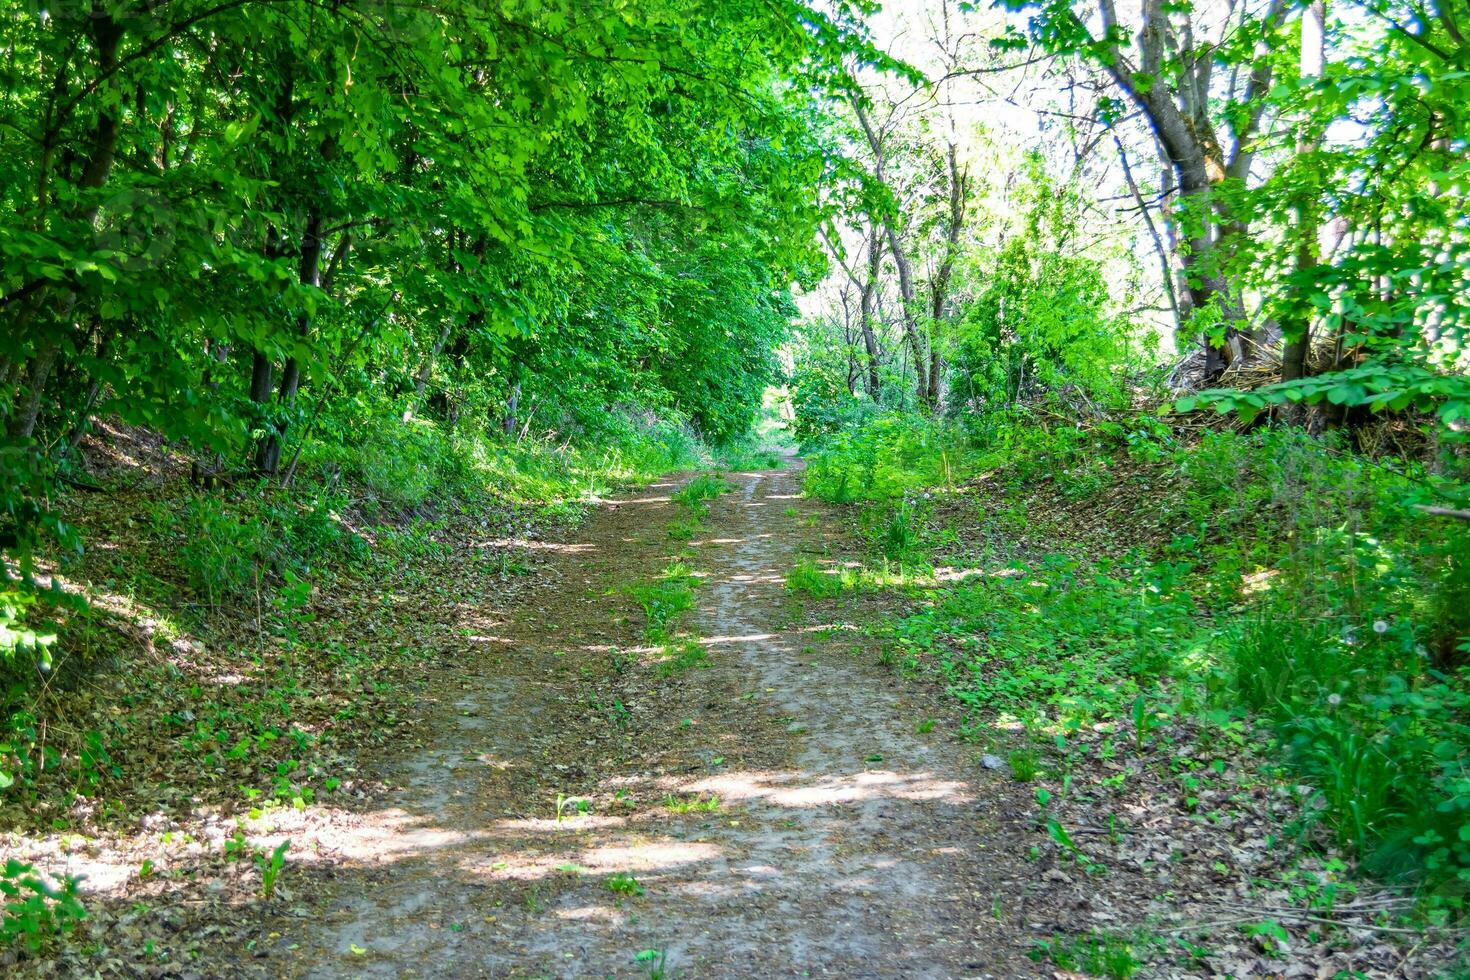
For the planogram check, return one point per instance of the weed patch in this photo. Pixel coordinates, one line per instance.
(810, 579)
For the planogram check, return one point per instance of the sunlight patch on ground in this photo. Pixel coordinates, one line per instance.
(710, 641)
(591, 914)
(755, 578)
(394, 835)
(803, 790)
(649, 857)
(824, 627)
(948, 574)
(529, 545)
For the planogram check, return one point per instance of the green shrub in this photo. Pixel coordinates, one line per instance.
(36, 912)
(230, 548)
(222, 550)
(889, 455)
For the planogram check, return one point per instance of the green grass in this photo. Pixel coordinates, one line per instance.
(1300, 596)
(685, 528)
(1095, 954)
(691, 804)
(810, 579)
(1060, 638)
(705, 486)
(662, 602)
(681, 656)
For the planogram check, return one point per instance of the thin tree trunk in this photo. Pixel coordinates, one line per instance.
(1298, 342)
(906, 289)
(107, 34)
(849, 347)
(268, 457)
(512, 406)
(37, 374)
(426, 368)
(865, 316)
(907, 299)
(1166, 262)
(939, 289)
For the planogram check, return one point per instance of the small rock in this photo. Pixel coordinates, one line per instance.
(991, 761)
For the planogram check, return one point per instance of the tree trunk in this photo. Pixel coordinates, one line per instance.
(107, 34)
(865, 316)
(512, 406)
(1298, 335)
(900, 260)
(37, 374)
(939, 288)
(426, 368)
(907, 299)
(1189, 142)
(268, 455)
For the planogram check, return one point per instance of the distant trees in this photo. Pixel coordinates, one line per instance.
(1357, 124)
(1310, 193)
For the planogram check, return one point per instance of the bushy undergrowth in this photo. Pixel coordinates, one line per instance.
(882, 459)
(379, 492)
(1079, 643)
(236, 547)
(1293, 584)
(406, 465)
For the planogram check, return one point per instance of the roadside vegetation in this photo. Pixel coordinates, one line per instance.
(1231, 581)
(1142, 384)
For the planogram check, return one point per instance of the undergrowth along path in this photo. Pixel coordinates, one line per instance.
(580, 802)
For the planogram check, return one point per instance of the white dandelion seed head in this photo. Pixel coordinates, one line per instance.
(1380, 626)
(1334, 699)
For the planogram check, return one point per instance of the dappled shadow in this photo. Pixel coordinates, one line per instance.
(778, 816)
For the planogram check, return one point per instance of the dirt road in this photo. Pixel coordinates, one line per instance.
(570, 804)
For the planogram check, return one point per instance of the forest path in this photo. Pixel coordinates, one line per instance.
(778, 809)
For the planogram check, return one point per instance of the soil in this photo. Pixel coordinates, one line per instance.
(832, 841)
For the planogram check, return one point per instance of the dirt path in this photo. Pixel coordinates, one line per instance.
(777, 808)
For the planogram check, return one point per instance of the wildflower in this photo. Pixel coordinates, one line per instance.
(1380, 626)
(1334, 699)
